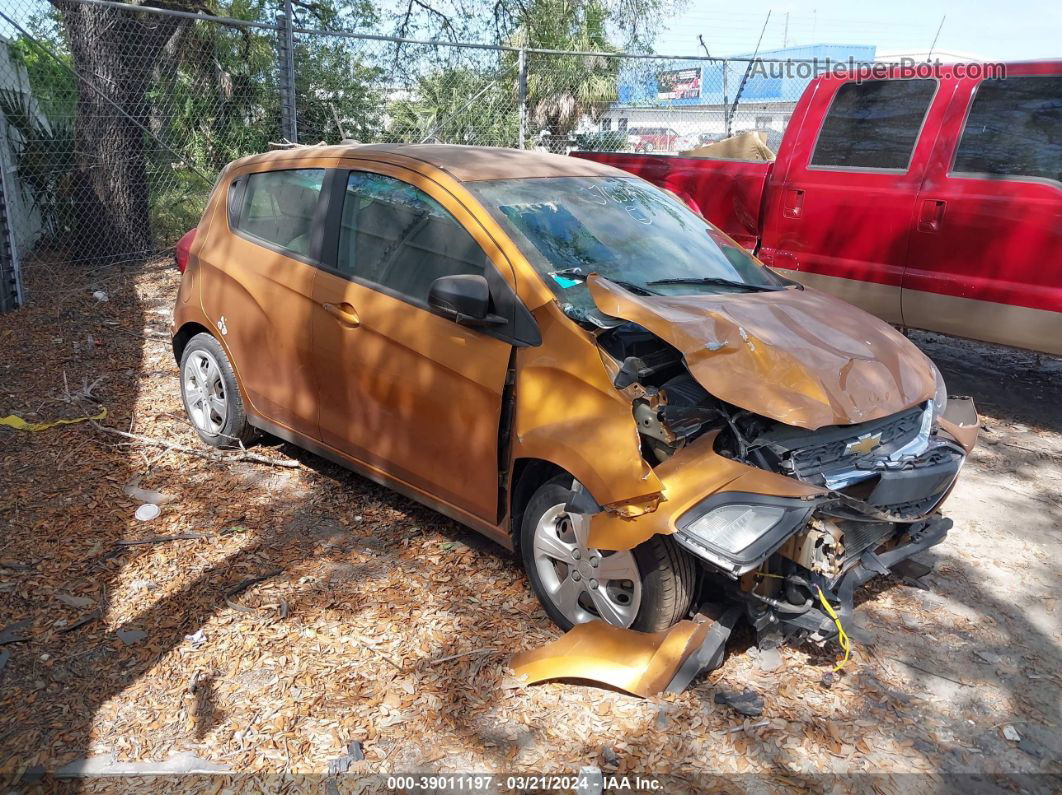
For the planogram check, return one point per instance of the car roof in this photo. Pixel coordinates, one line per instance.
(464, 163)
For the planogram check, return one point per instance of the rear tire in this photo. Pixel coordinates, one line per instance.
(654, 583)
(211, 396)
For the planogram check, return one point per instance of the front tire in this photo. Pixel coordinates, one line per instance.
(649, 588)
(211, 395)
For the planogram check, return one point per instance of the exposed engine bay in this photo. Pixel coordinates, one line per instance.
(880, 482)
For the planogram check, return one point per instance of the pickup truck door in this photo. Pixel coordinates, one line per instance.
(985, 259)
(839, 210)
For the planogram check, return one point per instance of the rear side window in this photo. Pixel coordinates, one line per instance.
(873, 124)
(279, 207)
(1014, 129)
(396, 236)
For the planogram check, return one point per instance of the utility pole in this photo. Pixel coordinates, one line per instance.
(785, 33)
(286, 51)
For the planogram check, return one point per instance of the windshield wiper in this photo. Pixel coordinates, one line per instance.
(577, 273)
(716, 281)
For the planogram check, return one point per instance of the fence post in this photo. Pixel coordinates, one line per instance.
(10, 272)
(521, 95)
(726, 99)
(286, 52)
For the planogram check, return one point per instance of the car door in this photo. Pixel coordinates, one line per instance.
(985, 259)
(412, 395)
(839, 218)
(257, 287)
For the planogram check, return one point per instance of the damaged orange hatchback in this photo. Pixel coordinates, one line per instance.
(569, 360)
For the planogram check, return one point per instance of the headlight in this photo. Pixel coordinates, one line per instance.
(940, 396)
(738, 531)
(732, 528)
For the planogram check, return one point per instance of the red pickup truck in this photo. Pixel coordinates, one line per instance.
(934, 202)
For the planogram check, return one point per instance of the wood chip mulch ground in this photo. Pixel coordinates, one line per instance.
(275, 614)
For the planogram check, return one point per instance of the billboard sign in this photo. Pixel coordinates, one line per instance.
(679, 84)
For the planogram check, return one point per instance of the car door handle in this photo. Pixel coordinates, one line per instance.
(794, 203)
(344, 313)
(931, 215)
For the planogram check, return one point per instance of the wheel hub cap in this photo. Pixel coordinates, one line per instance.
(204, 392)
(582, 582)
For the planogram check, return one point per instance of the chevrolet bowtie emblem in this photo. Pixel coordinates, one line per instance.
(864, 444)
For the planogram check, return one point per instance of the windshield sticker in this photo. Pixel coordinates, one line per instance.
(564, 281)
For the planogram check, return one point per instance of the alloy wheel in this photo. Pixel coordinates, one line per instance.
(582, 582)
(204, 392)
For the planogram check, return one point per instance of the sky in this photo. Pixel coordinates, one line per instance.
(987, 29)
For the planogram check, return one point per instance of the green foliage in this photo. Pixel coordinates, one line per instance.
(561, 89)
(458, 105)
(43, 153)
(337, 93)
(51, 82)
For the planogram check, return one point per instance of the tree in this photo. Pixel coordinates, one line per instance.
(562, 89)
(119, 51)
(458, 105)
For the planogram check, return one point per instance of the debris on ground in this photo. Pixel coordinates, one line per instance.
(770, 660)
(15, 633)
(641, 663)
(196, 639)
(746, 702)
(75, 601)
(133, 491)
(130, 636)
(342, 763)
(147, 512)
(99, 766)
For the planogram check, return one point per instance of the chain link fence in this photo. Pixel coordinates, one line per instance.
(116, 119)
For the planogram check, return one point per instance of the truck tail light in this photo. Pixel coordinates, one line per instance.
(184, 249)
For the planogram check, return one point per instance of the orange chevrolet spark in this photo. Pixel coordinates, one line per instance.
(569, 360)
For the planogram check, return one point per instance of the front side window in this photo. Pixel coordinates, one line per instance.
(1014, 129)
(873, 124)
(621, 228)
(279, 207)
(396, 236)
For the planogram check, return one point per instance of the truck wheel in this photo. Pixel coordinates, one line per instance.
(648, 588)
(211, 395)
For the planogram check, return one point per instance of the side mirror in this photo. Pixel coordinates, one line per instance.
(464, 299)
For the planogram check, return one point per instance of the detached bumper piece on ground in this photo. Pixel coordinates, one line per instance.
(641, 663)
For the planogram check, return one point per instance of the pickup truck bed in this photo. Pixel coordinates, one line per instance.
(728, 192)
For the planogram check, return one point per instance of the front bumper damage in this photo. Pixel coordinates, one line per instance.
(825, 544)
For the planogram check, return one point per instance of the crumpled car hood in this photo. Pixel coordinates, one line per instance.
(797, 356)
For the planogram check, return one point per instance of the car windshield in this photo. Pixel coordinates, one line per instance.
(622, 228)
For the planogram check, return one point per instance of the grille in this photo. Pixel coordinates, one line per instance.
(808, 454)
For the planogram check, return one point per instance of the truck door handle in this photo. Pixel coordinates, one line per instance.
(794, 204)
(344, 313)
(931, 215)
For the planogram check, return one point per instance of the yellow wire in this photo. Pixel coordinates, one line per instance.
(842, 636)
(19, 424)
